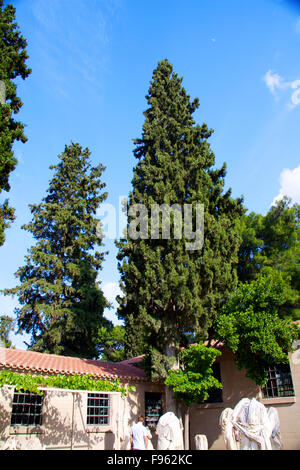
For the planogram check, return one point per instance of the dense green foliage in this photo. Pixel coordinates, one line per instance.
(251, 327)
(61, 301)
(111, 343)
(193, 381)
(7, 325)
(13, 58)
(273, 240)
(169, 290)
(31, 383)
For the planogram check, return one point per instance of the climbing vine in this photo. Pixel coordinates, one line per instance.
(32, 383)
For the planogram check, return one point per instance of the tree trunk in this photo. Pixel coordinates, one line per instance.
(187, 428)
(171, 404)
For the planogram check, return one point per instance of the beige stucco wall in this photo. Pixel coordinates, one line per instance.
(64, 422)
(65, 416)
(205, 418)
(133, 406)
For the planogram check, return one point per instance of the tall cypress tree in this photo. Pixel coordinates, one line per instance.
(61, 301)
(169, 290)
(13, 56)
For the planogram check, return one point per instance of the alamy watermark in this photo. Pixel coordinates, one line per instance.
(160, 221)
(2, 92)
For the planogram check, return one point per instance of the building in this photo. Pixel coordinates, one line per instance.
(68, 419)
(282, 392)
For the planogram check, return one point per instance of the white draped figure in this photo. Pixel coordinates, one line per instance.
(12, 443)
(251, 426)
(276, 441)
(169, 432)
(251, 421)
(228, 431)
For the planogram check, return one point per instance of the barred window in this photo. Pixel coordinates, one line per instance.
(153, 408)
(280, 383)
(26, 409)
(97, 409)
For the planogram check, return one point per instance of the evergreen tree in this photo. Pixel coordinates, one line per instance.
(251, 327)
(7, 325)
(111, 343)
(169, 290)
(273, 241)
(13, 58)
(61, 301)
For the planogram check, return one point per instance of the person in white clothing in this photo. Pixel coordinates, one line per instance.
(138, 435)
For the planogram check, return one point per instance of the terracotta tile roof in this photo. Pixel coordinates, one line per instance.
(51, 364)
(214, 343)
(133, 360)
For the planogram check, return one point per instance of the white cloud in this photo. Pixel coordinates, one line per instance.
(276, 83)
(289, 185)
(273, 81)
(110, 291)
(295, 98)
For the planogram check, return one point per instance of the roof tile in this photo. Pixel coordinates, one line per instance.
(50, 363)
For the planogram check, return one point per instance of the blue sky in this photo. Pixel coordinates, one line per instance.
(92, 61)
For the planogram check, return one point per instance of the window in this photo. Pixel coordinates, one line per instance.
(153, 408)
(97, 409)
(26, 409)
(279, 383)
(215, 394)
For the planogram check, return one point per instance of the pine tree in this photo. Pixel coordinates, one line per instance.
(61, 301)
(169, 290)
(13, 58)
(7, 325)
(111, 343)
